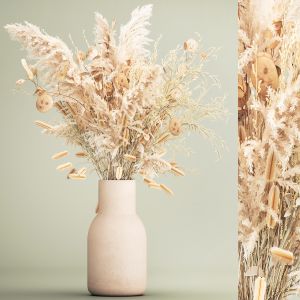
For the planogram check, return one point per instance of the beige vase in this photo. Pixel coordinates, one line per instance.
(117, 245)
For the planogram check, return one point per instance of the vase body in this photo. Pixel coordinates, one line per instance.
(117, 246)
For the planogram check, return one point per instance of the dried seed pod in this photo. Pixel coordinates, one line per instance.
(190, 45)
(273, 203)
(119, 172)
(131, 111)
(81, 56)
(27, 69)
(242, 133)
(77, 177)
(130, 157)
(109, 88)
(148, 180)
(177, 171)
(166, 189)
(33, 70)
(241, 86)
(173, 164)
(289, 25)
(125, 135)
(60, 154)
(121, 81)
(203, 55)
(265, 72)
(242, 102)
(91, 53)
(154, 185)
(175, 126)
(81, 154)
(281, 255)
(162, 152)
(72, 171)
(81, 122)
(270, 172)
(44, 102)
(60, 108)
(43, 125)
(260, 287)
(277, 26)
(176, 93)
(82, 171)
(124, 120)
(268, 36)
(63, 70)
(163, 137)
(64, 166)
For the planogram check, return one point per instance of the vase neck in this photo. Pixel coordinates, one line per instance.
(117, 196)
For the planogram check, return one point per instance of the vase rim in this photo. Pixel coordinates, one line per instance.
(116, 180)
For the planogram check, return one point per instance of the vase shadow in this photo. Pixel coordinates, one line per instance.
(52, 294)
(34, 294)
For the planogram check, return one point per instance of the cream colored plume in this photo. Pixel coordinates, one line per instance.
(134, 35)
(104, 36)
(41, 46)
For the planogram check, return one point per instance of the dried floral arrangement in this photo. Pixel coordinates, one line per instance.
(269, 157)
(119, 105)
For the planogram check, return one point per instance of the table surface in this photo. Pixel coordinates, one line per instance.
(70, 284)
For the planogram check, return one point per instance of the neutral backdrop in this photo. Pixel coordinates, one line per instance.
(44, 218)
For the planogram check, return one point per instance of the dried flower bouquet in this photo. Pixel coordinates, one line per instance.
(119, 105)
(269, 134)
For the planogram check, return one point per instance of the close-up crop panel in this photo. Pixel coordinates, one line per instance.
(269, 131)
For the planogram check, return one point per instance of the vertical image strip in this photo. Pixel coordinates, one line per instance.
(269, 149)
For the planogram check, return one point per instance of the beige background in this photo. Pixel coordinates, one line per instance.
(44, 218)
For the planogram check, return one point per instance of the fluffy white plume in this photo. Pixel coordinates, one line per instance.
(134, 35)
(49, 52)
(104, 35)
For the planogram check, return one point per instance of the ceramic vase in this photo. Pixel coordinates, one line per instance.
(117, 245)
